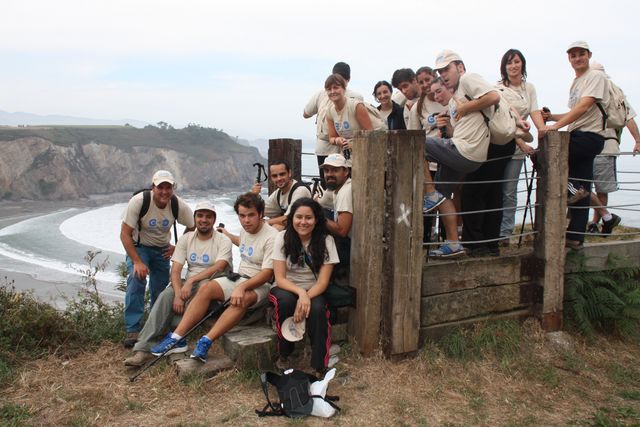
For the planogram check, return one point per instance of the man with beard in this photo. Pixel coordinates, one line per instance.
(206, 254)
(288, 191)
(246, 289)
(336, 174)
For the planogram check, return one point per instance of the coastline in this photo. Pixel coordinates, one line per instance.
(11, 212)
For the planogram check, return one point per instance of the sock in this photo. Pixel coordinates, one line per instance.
(607, 217)
(176, 336)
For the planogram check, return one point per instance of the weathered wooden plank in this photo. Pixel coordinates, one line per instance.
(369, 155)
(403, 236)
(285, 149)
(550, 222)
(597, 254)
(475, 302)
(251, 347)
(469, 273)
(436, 332)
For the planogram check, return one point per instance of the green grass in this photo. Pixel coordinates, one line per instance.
(12, 415)
(502, 338)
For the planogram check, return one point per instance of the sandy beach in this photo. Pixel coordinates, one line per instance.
(12, 212)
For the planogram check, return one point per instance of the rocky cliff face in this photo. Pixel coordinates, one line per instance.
(35, 168)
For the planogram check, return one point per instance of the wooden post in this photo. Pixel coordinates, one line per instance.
(368, 154)
(403, 236)
(286, 149)
(551, 194)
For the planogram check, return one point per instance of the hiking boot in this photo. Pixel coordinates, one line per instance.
(202, 349)
(593, 228)
(448, 250)
(130, 340)
(167, 344)
(432, 201)
(138, 359)
(608, 226)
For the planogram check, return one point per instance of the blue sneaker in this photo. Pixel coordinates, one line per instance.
(167, 343)
(432, 201)
(447, 250)
(202, 349)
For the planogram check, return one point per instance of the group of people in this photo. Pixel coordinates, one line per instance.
(469, 180)
(287, 260)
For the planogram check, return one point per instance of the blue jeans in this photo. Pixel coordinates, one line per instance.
(158, 280)
(510, 196)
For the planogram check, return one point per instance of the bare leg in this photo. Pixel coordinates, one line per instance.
(231, 316)
(450, 221)
(197, 308)
(601, 200)
(428, 186)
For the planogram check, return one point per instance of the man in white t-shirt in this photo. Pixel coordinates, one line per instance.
(337, 173)
(146, 234)
(288, 190)
(587, 126)
(248, 288)
(318, 106)
(206, 254)
(465, 151)
(405, 81)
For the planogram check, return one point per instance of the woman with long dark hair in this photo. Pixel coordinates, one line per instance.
(522, 97)
(389, 109)
(303, 258)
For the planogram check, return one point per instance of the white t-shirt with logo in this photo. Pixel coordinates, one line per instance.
(155, 225)
(593, 84)
(300, 273)
(201, 254)
(255, 250)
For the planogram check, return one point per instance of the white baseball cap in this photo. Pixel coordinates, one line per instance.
(163, 176)
(580, 44)
(292, 331)
(336, 160)
(445, 58)
(204, 206)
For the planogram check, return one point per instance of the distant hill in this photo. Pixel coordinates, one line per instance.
(68, 162)
(20, 118)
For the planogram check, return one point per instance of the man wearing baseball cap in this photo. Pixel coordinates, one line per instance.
(146, 234)
(587, 126)
(466, 150)
(207, 254)
(336, 175)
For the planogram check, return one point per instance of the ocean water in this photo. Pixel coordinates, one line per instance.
(51, 247)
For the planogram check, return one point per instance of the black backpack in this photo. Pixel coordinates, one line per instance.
(293, 189)
(146, 202)
(293, 391)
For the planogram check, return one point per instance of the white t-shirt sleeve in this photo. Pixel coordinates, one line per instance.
(180, 253)
(132, 212)
(332, 252)
(311, 108)
(475, 86)
(224, 249)
(533, 98)
(267, 260)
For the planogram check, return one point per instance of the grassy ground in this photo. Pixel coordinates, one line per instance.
(497, 374)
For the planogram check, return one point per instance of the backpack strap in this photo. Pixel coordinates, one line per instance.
(329, 400)
(270, 409)
(146, 201)
(605, 116)
(175, 206)
(486, 119)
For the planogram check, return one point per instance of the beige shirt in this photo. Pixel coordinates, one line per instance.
(471, 133)
(318, 105)
(343, 201)
(271, 207)
(424, 120)
(155, 226)
(201, 254)
(593, 84)
(399, 98)
(345, 120)
(256, 250)
(302, 275)
(523, 98)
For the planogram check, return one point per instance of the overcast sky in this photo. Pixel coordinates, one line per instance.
(249, 67)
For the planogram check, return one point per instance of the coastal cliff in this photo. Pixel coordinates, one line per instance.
(65, 163)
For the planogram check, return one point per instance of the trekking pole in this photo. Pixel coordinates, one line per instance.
(216, 311)
(528, 203)
(261, 172)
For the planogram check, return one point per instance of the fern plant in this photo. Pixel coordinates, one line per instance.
(604, 301)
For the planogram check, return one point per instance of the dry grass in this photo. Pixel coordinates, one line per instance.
(592, 385)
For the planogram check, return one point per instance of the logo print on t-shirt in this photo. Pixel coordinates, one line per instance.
(165, 222)
(205, 258)
(453, 109)
(338, 126)
(193, 257)
(250, 251)
(346, 125)
(153, 222)
(242, 248)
